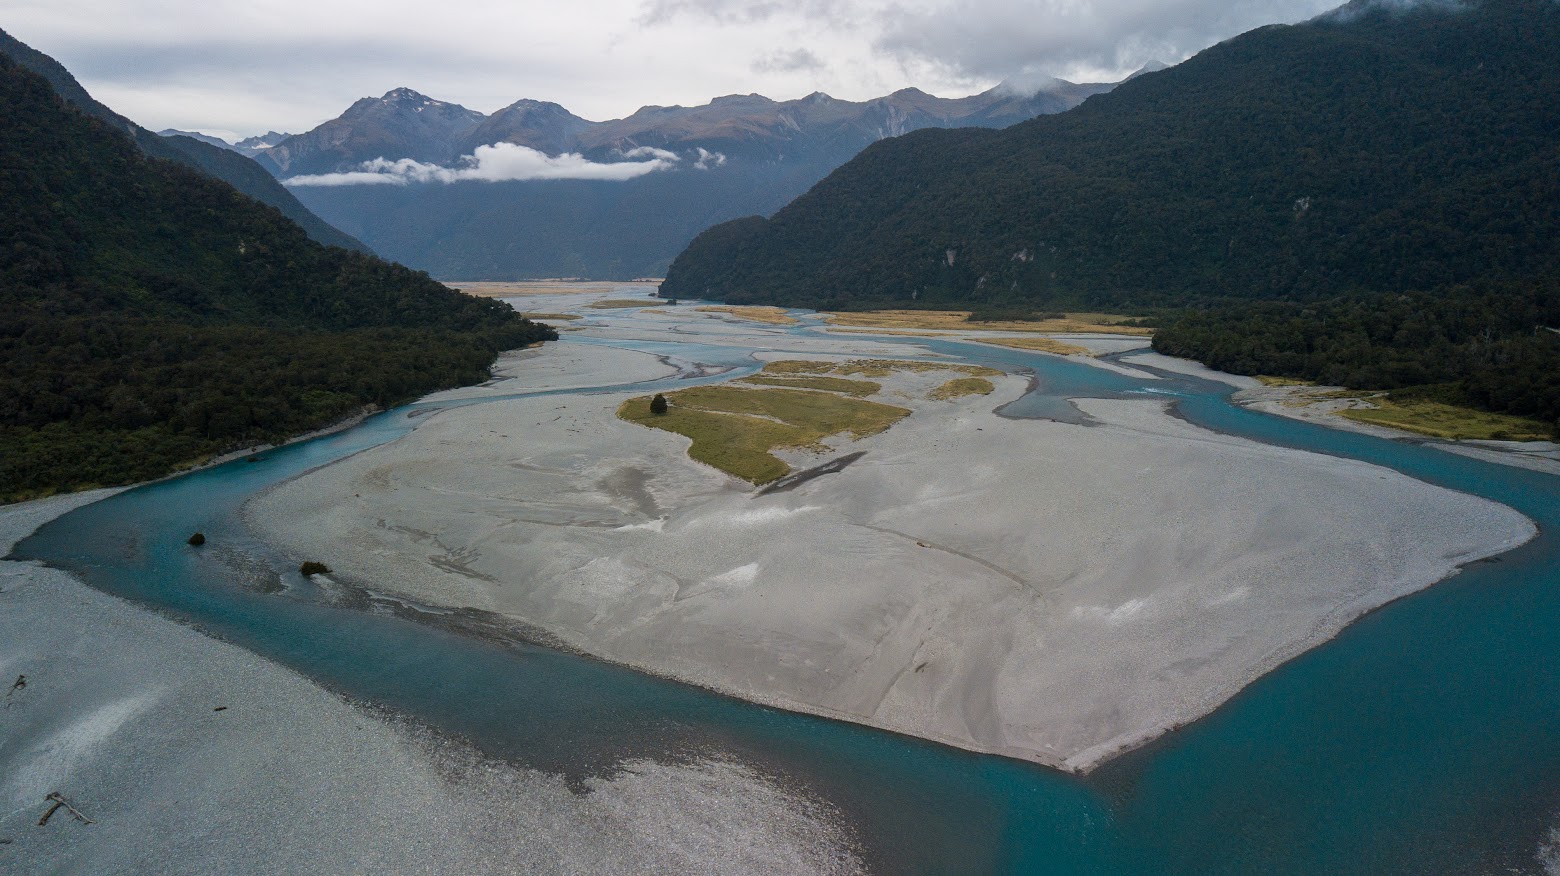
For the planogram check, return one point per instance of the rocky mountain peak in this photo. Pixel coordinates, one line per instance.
(262, 141)
(407, 95)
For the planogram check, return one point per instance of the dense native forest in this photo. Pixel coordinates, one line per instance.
(1371, 197)
(151, 316)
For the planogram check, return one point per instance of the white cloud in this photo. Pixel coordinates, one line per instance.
(788, 62)
(1075, 39)
(651, 152)
(501, 162)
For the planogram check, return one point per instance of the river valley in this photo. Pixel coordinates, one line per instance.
(1425, 736)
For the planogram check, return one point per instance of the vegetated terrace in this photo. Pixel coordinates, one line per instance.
(959, 320)
(736, 426)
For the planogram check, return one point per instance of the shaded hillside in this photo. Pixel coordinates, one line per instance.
(1377, 150)
(215, 161)
(735, 155)
(1369, 149)
(150, 315)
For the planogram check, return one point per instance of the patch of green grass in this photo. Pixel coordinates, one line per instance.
(959, 320)
(1043, 345)
(799, 366)
(874, 367)
(764, 314)
(734, 428)
(1268, 380)
(825, 413)
(960, 387)
(885, 367)
(1441, 420)
(733, 443)
(613, 303)
(856, 388)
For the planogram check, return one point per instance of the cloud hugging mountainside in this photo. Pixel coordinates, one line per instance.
(533, 190)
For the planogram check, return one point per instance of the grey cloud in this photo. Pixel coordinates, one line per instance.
(217, 65)
(724, 11)
(1001, 38)
(177, 61)
(1353, 10)
(975, 40)
(656, 12)
(788, 62)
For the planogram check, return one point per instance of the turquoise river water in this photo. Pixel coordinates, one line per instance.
(1423, 739)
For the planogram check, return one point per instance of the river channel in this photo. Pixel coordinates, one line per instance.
(1424, 739)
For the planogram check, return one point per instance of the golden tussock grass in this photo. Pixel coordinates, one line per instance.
(958, 320)
(735, 428)
(767, 315)
(1043, 345)
(960, 387)
(1441, 420)
(619, 303)
(857, 388)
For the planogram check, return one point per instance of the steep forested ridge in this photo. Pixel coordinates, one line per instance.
(236, 170)
(150, 315)
(1379, 150)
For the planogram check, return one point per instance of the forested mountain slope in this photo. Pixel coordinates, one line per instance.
(150, 315)
(1378, 150)
(236, 170)
(1372, 148)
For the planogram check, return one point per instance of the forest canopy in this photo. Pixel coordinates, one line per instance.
(1373, 195)
(151, 316)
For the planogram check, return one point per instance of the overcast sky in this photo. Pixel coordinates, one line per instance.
(240, 67)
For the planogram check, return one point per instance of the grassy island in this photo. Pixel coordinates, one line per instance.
(791, 404)
(735, 428)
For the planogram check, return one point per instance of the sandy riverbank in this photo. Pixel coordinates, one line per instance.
(119, 715)
(1034, 589)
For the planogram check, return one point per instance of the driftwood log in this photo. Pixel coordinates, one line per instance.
(59, 801)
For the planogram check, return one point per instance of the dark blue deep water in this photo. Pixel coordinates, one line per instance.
(1424, 739)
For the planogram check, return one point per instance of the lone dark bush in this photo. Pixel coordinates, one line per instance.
(198, 539)
(658, 404)
(313, 568)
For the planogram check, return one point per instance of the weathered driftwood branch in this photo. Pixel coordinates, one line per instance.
(59, 801)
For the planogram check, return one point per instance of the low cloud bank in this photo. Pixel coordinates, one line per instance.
(506, 162)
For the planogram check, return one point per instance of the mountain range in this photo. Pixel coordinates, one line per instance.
(736, 155)
(220, 162)
(406, 124)
(250, 146)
